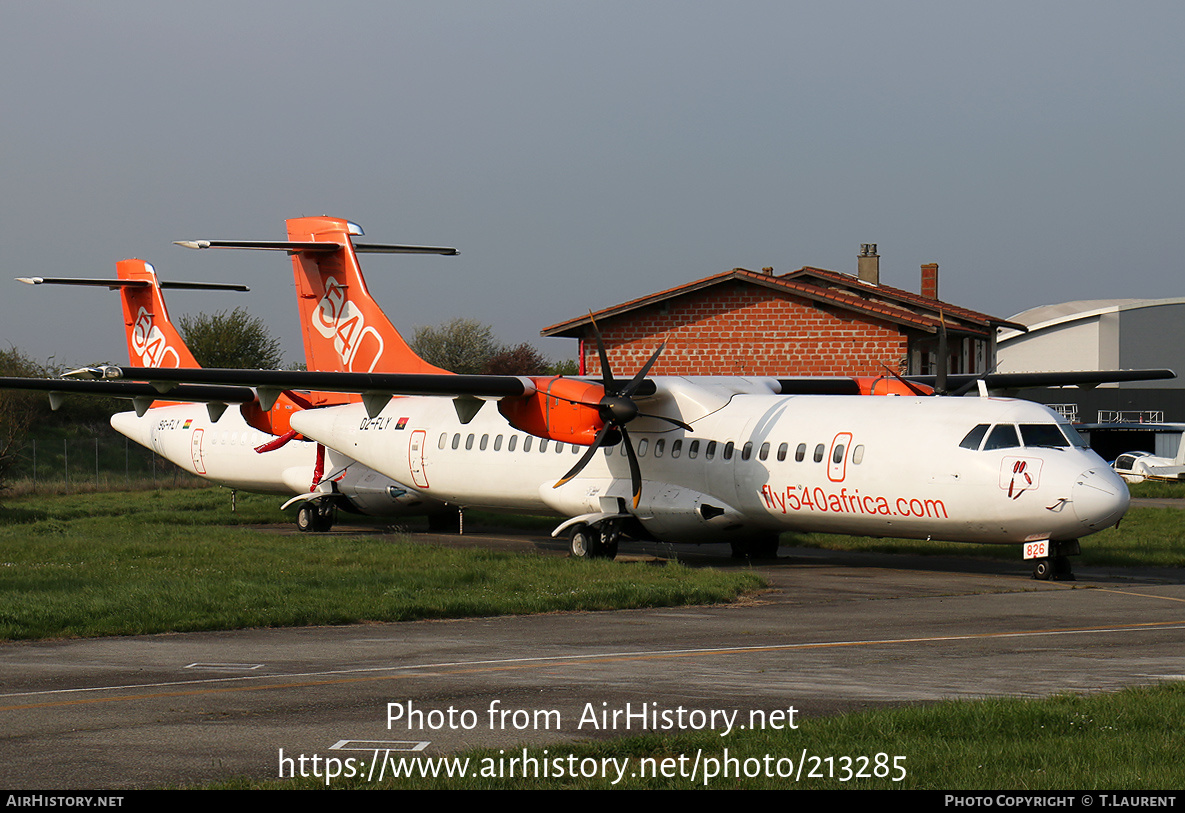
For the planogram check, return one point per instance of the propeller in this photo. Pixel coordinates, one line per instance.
(617, 408)
(941, 362)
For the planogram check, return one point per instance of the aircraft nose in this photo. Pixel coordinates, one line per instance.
(1100, 498)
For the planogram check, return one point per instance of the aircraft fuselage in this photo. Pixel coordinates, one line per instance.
(881, 466)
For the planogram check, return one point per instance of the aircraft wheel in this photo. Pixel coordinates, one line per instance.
(584, 542)
(608, 549)
(765, 547)
(1042, 569)
(306, 517)
(324, 519)
(1062, 571)
(445, 522)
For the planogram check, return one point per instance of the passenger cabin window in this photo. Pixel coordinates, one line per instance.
(728, 447)
(676, 447)
(527, 443)
(658, 447)
(819, 452)
(800, 453)
(747, 451)
(974, 437)
(1003, 436)
(693, 450)
(710, 452)
(764, 453)
(782, 450)
(858, 454)
(837, 455)
(512, 443)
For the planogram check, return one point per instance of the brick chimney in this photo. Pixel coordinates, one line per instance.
(868, 264)
(930, 280)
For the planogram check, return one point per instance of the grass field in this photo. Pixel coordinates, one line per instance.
(144, 562)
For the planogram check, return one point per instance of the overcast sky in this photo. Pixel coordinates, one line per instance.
(581, 154)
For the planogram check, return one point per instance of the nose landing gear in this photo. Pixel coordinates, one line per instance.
(1057, 566)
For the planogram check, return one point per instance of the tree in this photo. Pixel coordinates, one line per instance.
(567, 367)
(462, 346)
(521, 360)
(235, 339)
(18, 409)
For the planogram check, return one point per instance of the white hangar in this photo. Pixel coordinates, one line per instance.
(1112, 334)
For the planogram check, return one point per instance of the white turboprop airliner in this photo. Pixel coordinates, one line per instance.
(704, 459)
(244, 448)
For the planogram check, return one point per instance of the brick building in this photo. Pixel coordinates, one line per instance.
(807, 322)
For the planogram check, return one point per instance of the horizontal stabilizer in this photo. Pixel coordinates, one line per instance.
(133, 283)
(291, 246)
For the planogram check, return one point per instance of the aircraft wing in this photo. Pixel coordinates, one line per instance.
(1020, 381)
(130, 389)
(478, 386)
(141, 394)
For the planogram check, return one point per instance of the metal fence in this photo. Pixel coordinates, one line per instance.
(89, 462)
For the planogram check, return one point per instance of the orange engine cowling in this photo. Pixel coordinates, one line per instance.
(888, 385)
(276, 421)
(549, 412)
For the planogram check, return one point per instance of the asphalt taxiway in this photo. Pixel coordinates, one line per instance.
(837, 632)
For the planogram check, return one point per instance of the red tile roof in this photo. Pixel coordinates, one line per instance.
(839, 290)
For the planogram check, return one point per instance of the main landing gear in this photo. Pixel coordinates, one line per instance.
(1057, 566)
(316, 516)
(592, 542)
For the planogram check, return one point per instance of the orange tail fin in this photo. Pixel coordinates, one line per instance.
(344, 328)
(153, 341)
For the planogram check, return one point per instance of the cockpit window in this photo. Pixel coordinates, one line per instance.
(1043, 434)
(1003, 436)
(1073, 436)
(974, 437)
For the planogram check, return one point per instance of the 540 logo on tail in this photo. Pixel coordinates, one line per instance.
(150, 344)
(358, 345)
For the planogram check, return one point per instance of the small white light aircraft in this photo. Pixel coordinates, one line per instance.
(1136, 467)
(248, 448)
(703, 459)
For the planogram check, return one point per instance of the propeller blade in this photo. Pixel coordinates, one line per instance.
(637, 380)
(606, 373)
(970, 385)
(570, 400)
(675, 421)
(587, 456)
(635, 469)
(912, 387)
(943, 356)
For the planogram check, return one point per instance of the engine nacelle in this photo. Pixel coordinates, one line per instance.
(549, 412)
(888, 385)
(277, 420)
